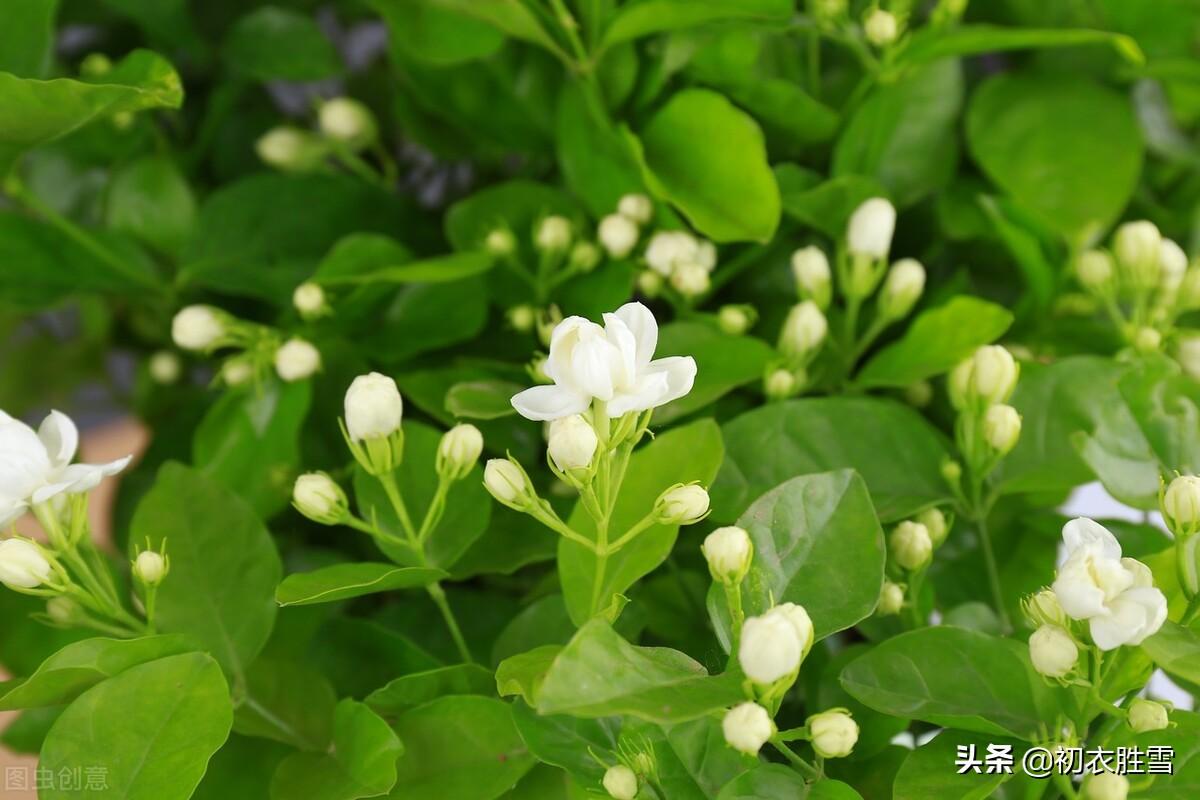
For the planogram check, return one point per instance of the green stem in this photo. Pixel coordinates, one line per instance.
(1191, 612)
(439, 599)
(993, 572)
(807, 769)
(433, 515)
(388, 481)
(1065, 786)
(638, 527)
(733, 598)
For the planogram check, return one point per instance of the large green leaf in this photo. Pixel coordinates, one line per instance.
(596, 161)
(933, 43)
(439, 269)
(896, 452)
(723, 363)
(272, 43)
(1164, 403)
(824, 206)
(151, 729)
(418, 688)
(708, 158)
(568, 742)
(924, 773)
(224, 567)
(691, 453)
(27, 37)
(432, 32)
(360, 763)
(646, 17)
(817, 543)
(1176, 650)
(343, 581)
(287, 702)
(151, 200)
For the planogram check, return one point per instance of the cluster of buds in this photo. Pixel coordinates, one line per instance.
(344, 127)
(680, 259)
(987, 428)
(1179, 502)
(206, 329)
(910, 550)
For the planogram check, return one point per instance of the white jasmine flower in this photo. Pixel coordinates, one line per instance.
(1181, 504)
(198, 327)
(891, 599)
(910, 545)
(1001, 427)
(1138, 247)
(902, 288)
(1148, 715)
(810, 268)
(682, 504)
(774, 644)
(165, 367)
(1173, 264)
(318, 497)
(309, 300)
(1094, 268)
(668, 249)
(691, 279)
(150, 567)
(804, 330)
(553, 233)
(458, 451)
(881, 27)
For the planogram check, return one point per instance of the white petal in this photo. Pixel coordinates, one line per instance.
(623, 341)
(10, 510)
(1082, 531)
(1142, 576)
(548, 402)
(60, 438)
(1136, 615)
(647, 392)
(595, 362)
(85, 477)
(24, 464)
(562, 342)
(640, 320)
(1077, 592)
(680, 372)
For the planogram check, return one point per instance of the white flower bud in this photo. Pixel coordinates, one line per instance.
(990, 378)
(1147, 715)
(165, 367)
(1138, 247)
(902, 288)
(636, 207)
(810, 268)
(736, 319)
(296, 360)
(150, 567)
(573, 443)
(1188, 355)
(373, 407)
(285, 148)
(881, 27)
(773, 645)
(309, 300)
(728, 552)
(682, 504)
(834, 733)
(23, 565)
(780, 384)
(1172, 264)
(1042, 608)
(522, 318)
(1052, 651)
(891, 599)
(668, 249)
(1094, 269)
(869, 233)
(621, 782)
(747, 727)
(346, 120)
(318, 497)
(1001, 428)
(584, 256)
(506, 482)
(910, 545)
(1106, 786)
(649, 283)
(706, 254)
(458, 451)
(618, 235)
(1181, 505)
(198, 327)
(500, 242)
(690, 279)
(935, 523)
(804, 330)
(553, 234)
(237, 371)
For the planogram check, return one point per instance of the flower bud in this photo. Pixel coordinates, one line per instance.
(198, 327)
(902, 288)
(682, 504)
(309, 300)
(458, 451)
(935, 524)
(1001, 428)
(1106, 786)
(987, 377)
(507, 483)
(237, 371)
(618, 235)
(666, 249)
(584, 256)
(649, 283)
(1042, 608)
(728, 552)
(1094, 269)
(318, 497)
(810, 268)
(780, 384)
(373, 407)
(736, 319)
(573, 443)
(1146, 339)
(1181, 505)
(164, 367)
(522, 318)
(1148, 715)
(869, 233)
(951, 471)
(747, 727)
(706, 254)
(918, 394)
(296, 360)
(891, 599)
(1188, 355)
(288, 148)
(804, 330)
(63, 611)
(500, 242)
(150, 567)
(23, 564)
(910, 545)
(690, 279)
(621, 782)
(95, 65)
(881, 27)
(834, 733)
(1172, 265)
(1138, 248)
(773, 645)
(1052, 651)
(636, 207)
(553, 234)
(348, 121)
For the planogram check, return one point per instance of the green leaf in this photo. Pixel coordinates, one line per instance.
(1064, 147)
(647, 17)
(151, 729)
(928, 771)
(596, 161)
(1176, 650)
(243, 767)
(287, 702)
(787, 112)
(343, 581)
(34, 112)
(1164, 401)
(461, 747)
(827, 206)
(27, 38)
(482, 399)
(419, 688)
(693, 758)
(224, 567)
(767, 781)
(936, 341)
(81, 665)
(517, 205)
(599, 674)
(682, 455)
(273, 43)
(509, 16)
(361, 762)
(896, 452)
(723, 363)
(708, 158)
(439, 269)
(249, 442)
(817, 543)
(933, 43)
(957, 678)
(429, 31)
(150, 199)
(523, 673)
(904, 134)
(568, 742)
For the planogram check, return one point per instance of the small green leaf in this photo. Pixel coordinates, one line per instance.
(723, 363)
(1176, 650)
(647, 17)
(151, 200)
(27, 38)
(273, 43)
(933, 43)
(482, 399)
(343, 581)
(523, 673)
(419, 688)
(828, 205)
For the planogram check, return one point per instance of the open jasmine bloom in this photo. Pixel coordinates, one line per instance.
(35, 467)
(612, 364)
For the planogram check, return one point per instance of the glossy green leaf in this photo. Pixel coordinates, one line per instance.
(273, 43)
(27, 38)
(522, 674)
(936, 341)
(432, 32)
(151, 200)
(929, 772)
(568, 742)
(647, 17)
(243, 767)
(343, 581)
(597, 162)
(769, 781)
(152, 729)
(933, 43)
(224, 567)
(439, 269)
(1164, 403)
(1176, 650)
(482, 399)
(826, 206)
(723, 363)
(510, 16)
(419, 688)
(287, 702)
